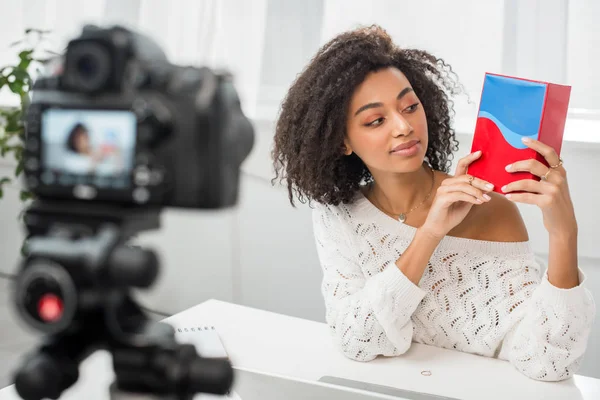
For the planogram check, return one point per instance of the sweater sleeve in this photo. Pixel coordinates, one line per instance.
(368, 317)
(549, 342)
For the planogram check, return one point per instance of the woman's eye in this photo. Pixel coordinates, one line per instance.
(412, 108)
(376, 122)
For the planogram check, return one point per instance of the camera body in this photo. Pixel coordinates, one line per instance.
(113, 121)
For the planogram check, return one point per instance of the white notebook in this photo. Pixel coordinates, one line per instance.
(205, 338)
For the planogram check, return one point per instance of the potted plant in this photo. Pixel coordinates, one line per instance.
(18, 79)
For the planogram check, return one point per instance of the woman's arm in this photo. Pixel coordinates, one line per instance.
(553, 323)
(367, 317)
(415, 258)
(549, 341)
(562, 260)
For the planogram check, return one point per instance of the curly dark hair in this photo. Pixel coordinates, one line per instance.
(78, 129)
(311, 126)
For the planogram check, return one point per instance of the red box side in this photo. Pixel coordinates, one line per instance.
(555, 114)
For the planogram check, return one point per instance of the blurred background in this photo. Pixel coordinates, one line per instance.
(261, 253)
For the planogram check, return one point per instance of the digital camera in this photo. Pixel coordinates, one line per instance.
(113, 121)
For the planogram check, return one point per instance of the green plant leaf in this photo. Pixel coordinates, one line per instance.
(14, 113)
(13, 124)
(18, 79)
(24, 64)
(20, 74)
(19, 169)
(26, 54)
(24, 195)
(21, 71)
(18, 151)
(1, 193)
(16, 87)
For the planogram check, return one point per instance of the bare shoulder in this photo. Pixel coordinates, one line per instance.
(498, 220)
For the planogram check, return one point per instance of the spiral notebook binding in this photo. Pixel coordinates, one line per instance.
(196, 329)
(206, 339)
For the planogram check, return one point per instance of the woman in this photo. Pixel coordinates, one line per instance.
(409, 252)
(82, 158)
(78, 140)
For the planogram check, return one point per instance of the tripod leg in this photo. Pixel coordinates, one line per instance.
(52, 368)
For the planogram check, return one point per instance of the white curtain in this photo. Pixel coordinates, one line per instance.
(266, 43)
(583, 49)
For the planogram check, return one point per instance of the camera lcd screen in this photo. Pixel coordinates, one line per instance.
(92, 147)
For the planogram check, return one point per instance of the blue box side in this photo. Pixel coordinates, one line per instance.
(514, 105)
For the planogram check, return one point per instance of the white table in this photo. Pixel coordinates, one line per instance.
(257, 340)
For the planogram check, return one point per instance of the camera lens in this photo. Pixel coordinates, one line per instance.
(46, 297)
(87, 67)
(44, 300)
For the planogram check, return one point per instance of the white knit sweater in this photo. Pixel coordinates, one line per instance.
(481, 297)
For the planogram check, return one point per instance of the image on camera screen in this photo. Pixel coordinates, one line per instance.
(88, 147)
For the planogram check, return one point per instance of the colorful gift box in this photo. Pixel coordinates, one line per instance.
(510, 109)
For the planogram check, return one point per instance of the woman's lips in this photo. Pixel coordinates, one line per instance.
(406, 149)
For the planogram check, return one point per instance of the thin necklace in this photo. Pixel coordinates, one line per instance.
(402, 216)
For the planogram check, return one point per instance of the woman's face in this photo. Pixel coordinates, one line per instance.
(386, 124)
(82, 142)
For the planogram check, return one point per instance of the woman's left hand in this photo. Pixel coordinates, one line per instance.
(550, 194)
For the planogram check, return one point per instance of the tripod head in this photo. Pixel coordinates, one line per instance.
(74, 286)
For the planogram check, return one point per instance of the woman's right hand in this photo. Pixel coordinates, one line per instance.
(455, 198)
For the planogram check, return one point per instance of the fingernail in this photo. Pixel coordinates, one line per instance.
(503, 188)
(479, 200)
(489, 186)
(508, 167)
(478, 152)
(508, 196)
(488, 198)
(525, 139)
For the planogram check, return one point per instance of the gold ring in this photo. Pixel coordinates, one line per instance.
(560, 162)
(545, 177)
(471, 177)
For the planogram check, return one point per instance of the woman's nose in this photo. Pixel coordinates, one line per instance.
(401, 126)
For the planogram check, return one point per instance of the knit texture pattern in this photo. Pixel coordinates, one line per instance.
(480, 297)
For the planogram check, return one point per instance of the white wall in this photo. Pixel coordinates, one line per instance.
(262, 254)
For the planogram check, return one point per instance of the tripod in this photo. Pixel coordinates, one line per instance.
(74, 285)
